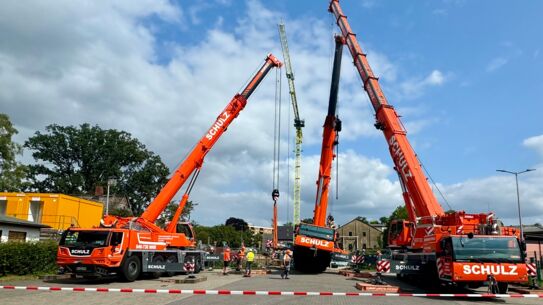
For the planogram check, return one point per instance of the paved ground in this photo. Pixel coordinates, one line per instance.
(325, 282)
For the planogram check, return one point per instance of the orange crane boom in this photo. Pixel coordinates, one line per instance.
(458, 248)
(314, 244)
(195, 159)
(331, 128)
(405, 160)
(129, 246)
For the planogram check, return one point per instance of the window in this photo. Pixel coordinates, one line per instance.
(350, 233)
(35, 211)
(185, 229)
(84, 238)
(16, 236)
(3, 207)
(350, 247)
(487, 249)
(363, 246)
(364, 234)
(116, 238)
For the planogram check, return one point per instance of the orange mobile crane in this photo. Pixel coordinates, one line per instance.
(457, 248)
(315, 243)
(129, 246)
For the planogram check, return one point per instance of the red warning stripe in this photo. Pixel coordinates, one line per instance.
(532, 269)
(271, 293)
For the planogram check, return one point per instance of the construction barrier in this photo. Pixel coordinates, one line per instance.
(271, 293)
(357, 259)
(383, 266)
(531, 268)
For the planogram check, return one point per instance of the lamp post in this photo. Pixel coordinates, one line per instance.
(110, 182)
(518, 195)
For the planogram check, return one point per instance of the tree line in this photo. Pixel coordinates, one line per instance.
(75, 160)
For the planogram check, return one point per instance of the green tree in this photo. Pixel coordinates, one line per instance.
(399, 213)
(170, 210)
(12, 173)
(74, 160)
(228, 234)
(307, 220)
(238, 224)
(362, 219)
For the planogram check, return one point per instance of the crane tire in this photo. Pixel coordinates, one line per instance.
(131, 268)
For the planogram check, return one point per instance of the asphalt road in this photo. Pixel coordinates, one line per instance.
(324, 282)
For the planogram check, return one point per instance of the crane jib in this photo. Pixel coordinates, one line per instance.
(195, 158)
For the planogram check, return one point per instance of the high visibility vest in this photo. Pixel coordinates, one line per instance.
(250, 256)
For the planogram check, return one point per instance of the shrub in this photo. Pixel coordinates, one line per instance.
(28, 258)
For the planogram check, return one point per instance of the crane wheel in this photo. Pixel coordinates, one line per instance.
(170, 259)
(157, 260)
(131, 268)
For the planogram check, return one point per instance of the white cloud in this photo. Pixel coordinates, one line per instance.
(496, 63)
(415, 87)
(435, 78)
(536, 143)
(364, 189)
(103, 69)
(498, 194)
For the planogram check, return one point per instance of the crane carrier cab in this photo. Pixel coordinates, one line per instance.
(130, 253)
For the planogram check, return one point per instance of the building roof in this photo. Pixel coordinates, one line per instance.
(535, 228)
(376, 227)
(532, 232)
(21, 223)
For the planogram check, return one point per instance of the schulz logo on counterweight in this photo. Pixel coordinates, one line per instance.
(315, 242)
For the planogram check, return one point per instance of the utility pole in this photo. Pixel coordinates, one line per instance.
(518, 195)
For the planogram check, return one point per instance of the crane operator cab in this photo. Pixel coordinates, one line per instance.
(185, 228)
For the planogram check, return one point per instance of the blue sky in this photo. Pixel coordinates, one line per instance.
(490, 55)
(464, 75)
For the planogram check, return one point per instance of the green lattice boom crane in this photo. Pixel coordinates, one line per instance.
(298, 124)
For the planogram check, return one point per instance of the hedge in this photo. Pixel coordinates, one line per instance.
(20, 258)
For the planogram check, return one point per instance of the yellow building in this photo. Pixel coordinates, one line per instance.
(56, 210)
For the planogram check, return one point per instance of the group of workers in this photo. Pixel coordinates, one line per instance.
(239, 257)
(249, 258)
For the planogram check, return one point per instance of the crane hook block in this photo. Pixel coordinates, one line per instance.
(275, 194)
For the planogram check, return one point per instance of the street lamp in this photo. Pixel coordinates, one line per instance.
(518, 195)
(110, 182)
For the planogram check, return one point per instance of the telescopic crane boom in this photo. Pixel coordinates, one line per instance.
(128, 246)
(298, 124)
(195, 159)
(331, 129)
(456, 247)
(315, 243)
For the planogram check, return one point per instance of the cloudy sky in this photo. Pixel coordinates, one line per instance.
(464, 75)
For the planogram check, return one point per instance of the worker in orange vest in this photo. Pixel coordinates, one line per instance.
(240, 258)
(225, 259)
(287, 259)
